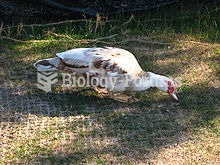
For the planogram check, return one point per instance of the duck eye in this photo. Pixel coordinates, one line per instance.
(169, 83)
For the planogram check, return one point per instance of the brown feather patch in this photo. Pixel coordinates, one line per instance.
(112, 67)
(105, 64)
(124, 72)
(97, 64)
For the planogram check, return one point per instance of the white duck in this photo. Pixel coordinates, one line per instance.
(114, 64)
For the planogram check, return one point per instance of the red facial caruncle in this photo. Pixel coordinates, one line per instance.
(171, 88)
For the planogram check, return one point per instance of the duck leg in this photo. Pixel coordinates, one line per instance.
(133, 95)
(102, 92)
(121, 97)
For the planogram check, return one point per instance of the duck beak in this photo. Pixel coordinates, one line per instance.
(174, 96)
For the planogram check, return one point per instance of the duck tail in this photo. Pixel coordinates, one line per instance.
(46, 65)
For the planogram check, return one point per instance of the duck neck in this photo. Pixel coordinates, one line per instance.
(145, 81)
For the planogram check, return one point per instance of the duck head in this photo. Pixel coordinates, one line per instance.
(165, 84)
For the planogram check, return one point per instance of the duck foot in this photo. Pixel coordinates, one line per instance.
(101, 90)
(120, 97)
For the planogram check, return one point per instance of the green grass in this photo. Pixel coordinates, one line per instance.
(81, 127)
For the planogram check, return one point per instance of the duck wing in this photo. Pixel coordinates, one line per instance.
(114, 62)
(76, 57)
(105, 61)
